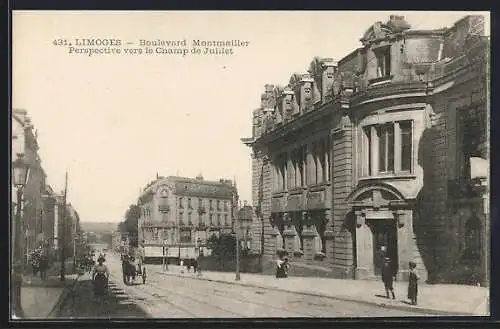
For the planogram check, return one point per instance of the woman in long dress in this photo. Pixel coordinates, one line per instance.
(100, 276)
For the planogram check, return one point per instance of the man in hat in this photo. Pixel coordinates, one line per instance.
(388, 277)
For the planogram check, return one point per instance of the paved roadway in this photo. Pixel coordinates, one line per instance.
(174, 297)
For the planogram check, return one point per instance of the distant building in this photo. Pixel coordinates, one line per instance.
(388, 147)
(181, 213)
(243, 227)
(116, 241)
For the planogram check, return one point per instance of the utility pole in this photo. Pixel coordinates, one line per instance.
(236, 221)
(63, 238)
(237, 257)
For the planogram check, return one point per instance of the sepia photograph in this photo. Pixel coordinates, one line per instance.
(249, 164)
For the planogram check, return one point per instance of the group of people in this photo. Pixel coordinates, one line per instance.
(389, 275)
(40, 261)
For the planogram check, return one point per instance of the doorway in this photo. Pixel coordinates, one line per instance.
(384, 235)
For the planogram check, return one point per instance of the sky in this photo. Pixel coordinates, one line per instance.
(114, 121)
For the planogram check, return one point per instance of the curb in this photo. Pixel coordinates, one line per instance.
(342, 298)
(62, 298)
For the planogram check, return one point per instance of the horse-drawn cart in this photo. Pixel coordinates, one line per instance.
(132, 269)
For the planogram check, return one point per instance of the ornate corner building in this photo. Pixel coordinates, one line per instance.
(386, 149)
(180, 214)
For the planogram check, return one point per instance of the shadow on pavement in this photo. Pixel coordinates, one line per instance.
(82, 304)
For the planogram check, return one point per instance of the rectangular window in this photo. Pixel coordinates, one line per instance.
(282, 160)
(218, 219)
(211, 220)
(185, 236)
(406, 145)
(211, 205)
(314, 163)
(383, 62)
(386, 147)
(328, 159)
(190, 222)
(189, 203)
(181, 203)
(322, 159)
(218, 204)
(386, 143)
(304, 165)
(368, 149)
(226, 222)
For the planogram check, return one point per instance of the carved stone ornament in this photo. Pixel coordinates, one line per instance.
(360, 219)
(400, 218)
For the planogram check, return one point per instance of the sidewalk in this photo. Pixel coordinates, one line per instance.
(41, 298)
(438, 299)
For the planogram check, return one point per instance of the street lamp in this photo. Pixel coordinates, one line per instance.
(19, 178)
(198, 246)
(238, 230)
(165, 251)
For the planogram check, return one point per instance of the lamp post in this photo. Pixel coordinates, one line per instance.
(198, 246)
(20, 173)
(165, 264)
(237, 278)
(63, 238)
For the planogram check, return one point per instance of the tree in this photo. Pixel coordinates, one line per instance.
(222, 246)
(129, 225)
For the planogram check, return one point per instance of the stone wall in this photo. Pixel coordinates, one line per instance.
(342, 167)
(439, 162)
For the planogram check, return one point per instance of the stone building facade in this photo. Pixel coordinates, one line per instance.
(183, 213)
(25, 146)
(41, 210)
(383, 153)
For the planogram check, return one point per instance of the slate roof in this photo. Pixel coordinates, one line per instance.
(202, 188)
(196, 187)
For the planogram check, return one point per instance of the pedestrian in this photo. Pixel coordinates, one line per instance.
(282, 267)
(388, 277)
(195, 265)
(100, 277)
(413, 283)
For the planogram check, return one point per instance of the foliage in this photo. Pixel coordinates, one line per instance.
(223, 245)
(129, 225)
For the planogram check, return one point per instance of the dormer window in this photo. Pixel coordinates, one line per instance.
(383, 55)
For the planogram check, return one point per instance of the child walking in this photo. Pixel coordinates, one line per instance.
(413, 283)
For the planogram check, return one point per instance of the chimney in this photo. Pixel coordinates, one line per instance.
(278, 112)
(257, 123)
(398, 23)
(289, 104)
(329, 68)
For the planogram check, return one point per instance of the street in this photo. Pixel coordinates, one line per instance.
(174, 297)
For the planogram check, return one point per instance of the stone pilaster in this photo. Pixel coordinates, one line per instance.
(364, 248)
